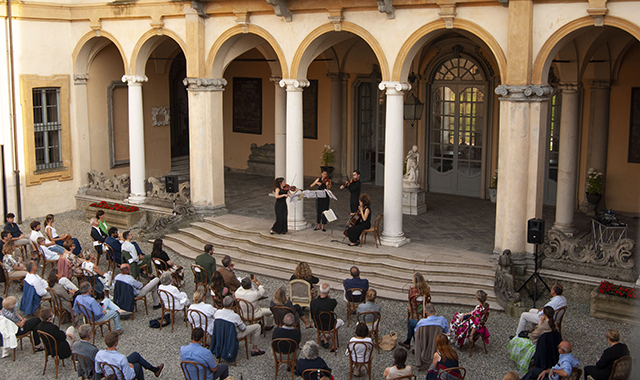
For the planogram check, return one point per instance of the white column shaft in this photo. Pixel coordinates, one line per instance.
(136, 138)
(281, 131)
(82, 146)
(335, 129)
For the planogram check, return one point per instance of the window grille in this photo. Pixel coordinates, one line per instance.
(47, 127)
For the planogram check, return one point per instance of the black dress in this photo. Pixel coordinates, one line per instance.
(322, 204)
(280, 226)
(355, 231)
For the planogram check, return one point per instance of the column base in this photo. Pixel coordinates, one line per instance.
(202, 210)
(394, 241)
(413, 201)
(136, 199)
(297, 225)
(567, 229)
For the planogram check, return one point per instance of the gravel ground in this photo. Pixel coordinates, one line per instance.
(585, 333)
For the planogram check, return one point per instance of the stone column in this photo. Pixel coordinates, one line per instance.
(598, 134)
(568, 158)
(206, 144)
(393, 164)
(136, 138)
(82, 148)
(295, 156)
(521, 163)
(280, 124)
(336, 122)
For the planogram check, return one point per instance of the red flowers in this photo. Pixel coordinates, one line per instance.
(617, 290)
(115, 206)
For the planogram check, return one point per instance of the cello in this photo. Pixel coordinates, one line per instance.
(354, 219)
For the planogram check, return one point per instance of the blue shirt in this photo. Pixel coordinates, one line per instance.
(194, 352)
(90, 304)
(434, 320)
(566, 362)
(117, 360)
(128, 279)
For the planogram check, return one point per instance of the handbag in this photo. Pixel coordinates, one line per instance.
(155, 323)
(388, 342)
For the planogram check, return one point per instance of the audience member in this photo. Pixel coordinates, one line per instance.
(604, 366)
(286, 331)
(88, 350)
(131, 366)
(445, 357)
(400, 368)
(247, 293)
(158, 253)
(69, 265)
(180, 298)
(200, 305)
(370, 305)
(218, 288)
(48, 253)
(33, 279)
(280, 299)
(53, 236)
(104, 311)
(522, 349)
(419, 294)
(359, 355)
(310, 359)
(14, 265)
(53, 280)
(102, 223)
(24, 325)
(207, 261)
(355, 282)
(511, 376)
(229, 315)
(17, 236)
(230, 279)
(132, 255)
(103, 279)
(303, 272)
(325, 303)
(533, 316)
(97, 234)
(5, 237)
(194, 352)
(36, 233)
(64, 340)
(565, 365)
(138, 288)
(112, 240)
(430, 320)
(462, 323)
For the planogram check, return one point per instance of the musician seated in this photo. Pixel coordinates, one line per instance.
(361, 223)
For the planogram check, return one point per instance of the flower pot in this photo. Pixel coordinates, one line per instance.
(493, 194)
(115, 218)
(593, 199)
(614, 308)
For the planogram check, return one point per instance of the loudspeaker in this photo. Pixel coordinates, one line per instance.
(535, 231)
(171, 183)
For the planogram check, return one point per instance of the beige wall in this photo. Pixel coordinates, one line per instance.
(157, 140)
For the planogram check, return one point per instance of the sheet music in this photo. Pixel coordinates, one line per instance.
(311, 194)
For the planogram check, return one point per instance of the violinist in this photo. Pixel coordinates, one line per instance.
(280, 226)
(364, 209)
(354, 188)
(322, 204)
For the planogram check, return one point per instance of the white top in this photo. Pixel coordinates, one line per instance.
(360, 350)
(88, 265)
(49, 254)
(36, 234)
(54, 233)
(37, 282)
(181, 299)
(231, 316)
(556, 303)
(252, 296)
(127, 246)
(208, 310)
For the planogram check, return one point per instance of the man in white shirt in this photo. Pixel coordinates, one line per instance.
(247, 293)
(39, 284)
(138, 289)
(229, 315)
(129, 247)
(48, 254)
(36, 233)
(533, 315)
(181, 298)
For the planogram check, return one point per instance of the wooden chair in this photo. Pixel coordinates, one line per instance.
(221, 324)
(84, 362)
(352, 304)
(91, 278)
(414, 302)
(300, 293)
(374, 230)
(52, 345)
(19, 337)
(58, 310)
(168, 302)
(187, 375)
(325, 322)
(356, 361)
(54, 263)
(312, 374)
(246, 311)
(474, 335)
(111, 259)
(621, 369)
(159, 264)
(576, 374)
(98, 252)
(90, 318)
(373, 326)
(558, 316)
(8, 279)
(200, 274)
(116, 297)
(446, 374)
(202, 322)
(279, 312)
(104, 367)
(284, 352)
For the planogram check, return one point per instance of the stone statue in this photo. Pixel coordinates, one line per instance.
(504, 285)
(410, 178)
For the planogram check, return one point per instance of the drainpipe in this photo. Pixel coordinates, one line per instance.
(12, 112)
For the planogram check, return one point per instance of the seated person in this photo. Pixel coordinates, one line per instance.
(359, 354)
(565, 365)
(36, 233)
(132, 255)
(461, 323)
(218, 289)
(88, 350)
(14, 265)
(101, 312)
(64, 340)
(5, 237)
(533, 316)
(231, 281)
(286, 331)
(280, 299)
(229, 315)
(355, 282)
(97, 234)
(16, 235)
(445, 357)
(431, 319)
(139, 289)
(181, 300)
(31, 299)
(65, 294)
(370, 305)
(96, 276)
(69, 265)
(604, 366)
(303, 272)
(53, 236)
(194, 352)
(251, 295)
(522, 349)
(208, 262)
(24, 325)
(159, 253)
(310, 359)
(102, 223)
(200, 305)
(325, 303)
(131, 366)
(400, 368)
(113, 242)
(49, 254)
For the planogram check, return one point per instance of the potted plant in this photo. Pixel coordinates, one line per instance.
(594, 186)
(615, 302)
(326, 160)
(116, 214)
(493, 188)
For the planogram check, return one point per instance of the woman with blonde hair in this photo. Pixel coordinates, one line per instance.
(280, 299)
(303, 272)
(445, 357)
(461, 324)
(200, 305)
(419, 293)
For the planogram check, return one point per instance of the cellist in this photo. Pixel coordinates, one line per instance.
(364, 208)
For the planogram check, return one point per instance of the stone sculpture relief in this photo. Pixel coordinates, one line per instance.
(118, 184)
(159, 191)
(504, 286)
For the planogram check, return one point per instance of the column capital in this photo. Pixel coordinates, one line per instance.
(275, 79)
(568, 87)
(134, 79)
(394, 88)
(294, 84)
(205, 84)
(80, 79)
(523, 93)
(338, 76)
(599, 83)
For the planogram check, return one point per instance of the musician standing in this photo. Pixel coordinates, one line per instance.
(280, 226)
(354, 188)
(364, 209)
(322, 204)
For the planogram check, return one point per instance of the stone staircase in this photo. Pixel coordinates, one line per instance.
(180, 166)
(453, 276)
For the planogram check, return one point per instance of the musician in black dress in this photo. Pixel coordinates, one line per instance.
(364, 209)
(280, 226)
(354, 188)
(322, 204)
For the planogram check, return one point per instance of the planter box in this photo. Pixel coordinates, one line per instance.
(614, 308)
(122, 220)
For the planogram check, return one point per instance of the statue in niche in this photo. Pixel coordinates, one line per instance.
(410, 178)
(504, 284)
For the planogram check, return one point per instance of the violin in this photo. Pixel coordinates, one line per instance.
(288, 187)
(346, 184)
(327, 181)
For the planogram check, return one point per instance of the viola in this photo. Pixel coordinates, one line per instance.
(353, 220)
(346, 184)
(287, 187)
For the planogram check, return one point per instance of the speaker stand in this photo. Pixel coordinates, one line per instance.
(535, 276)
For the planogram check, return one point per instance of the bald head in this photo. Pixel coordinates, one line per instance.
(565, 347)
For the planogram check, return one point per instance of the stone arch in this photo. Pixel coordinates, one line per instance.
(226, 49)
(414, 43)
(314, 44)
(567, 32)
(89, 46)
(145, 46)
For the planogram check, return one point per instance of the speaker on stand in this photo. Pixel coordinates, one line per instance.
(535, 236)
(171, 187)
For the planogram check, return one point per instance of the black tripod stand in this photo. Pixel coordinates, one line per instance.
(535, 276)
